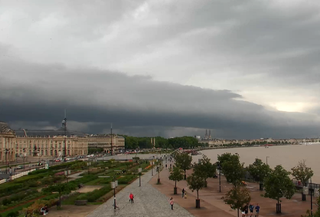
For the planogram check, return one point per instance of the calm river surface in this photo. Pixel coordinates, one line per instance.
(288, 156)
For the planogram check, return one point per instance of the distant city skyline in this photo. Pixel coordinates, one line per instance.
(244, 69)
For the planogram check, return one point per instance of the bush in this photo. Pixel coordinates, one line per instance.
(41, 171)
(20, 196)
(63, 165)
(13, 214)
(10, 188)
(126, 179)
(94, 195)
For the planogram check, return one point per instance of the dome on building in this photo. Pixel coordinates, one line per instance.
(4, 128)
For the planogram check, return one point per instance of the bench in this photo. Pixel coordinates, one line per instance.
(80, 202)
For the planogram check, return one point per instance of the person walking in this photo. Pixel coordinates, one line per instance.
(246, 210)
(171, 203)
(251, 208)
(131, 198)
(257, 208)
(182, 193)
(185, 195)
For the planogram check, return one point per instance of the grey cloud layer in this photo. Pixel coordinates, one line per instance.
(57, 55)
(94, 98)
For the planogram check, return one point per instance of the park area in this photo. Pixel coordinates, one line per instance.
(64, 186)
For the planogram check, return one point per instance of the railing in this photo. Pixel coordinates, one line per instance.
(311, 186)
(17, 176)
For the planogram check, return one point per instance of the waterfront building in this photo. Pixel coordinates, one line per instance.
(43, 143)
(7, 143)
(111, 143)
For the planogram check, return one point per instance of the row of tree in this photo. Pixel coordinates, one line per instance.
(276, 181)
(160, 142)
(202, 170)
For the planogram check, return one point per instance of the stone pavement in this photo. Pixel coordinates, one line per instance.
(148, 201)
(212, 201)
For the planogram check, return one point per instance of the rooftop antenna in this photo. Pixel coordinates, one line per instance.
(111, 141)
(65, 132)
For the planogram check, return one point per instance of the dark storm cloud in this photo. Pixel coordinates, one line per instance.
(95, 98)
(102, 61)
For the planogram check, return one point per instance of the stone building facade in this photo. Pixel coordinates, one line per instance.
(42, 143)
(107, 142)
(7, 143)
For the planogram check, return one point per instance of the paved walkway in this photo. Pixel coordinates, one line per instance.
(148, 201)
(212, 201)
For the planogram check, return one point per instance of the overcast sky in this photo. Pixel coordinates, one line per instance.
(244, 69)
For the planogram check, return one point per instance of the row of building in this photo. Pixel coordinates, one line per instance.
(52, 143)
(213, 142)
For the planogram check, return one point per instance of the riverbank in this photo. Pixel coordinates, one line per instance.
(288, 156)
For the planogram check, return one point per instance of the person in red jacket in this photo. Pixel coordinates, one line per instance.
(131, 197)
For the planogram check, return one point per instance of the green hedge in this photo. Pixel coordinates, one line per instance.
(63, 165)
(27, 178)
(126, 179)
(20, 196)
(72, 185)
(11, 188)
(94, 195)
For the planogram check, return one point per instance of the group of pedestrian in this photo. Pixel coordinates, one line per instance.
(249, 207)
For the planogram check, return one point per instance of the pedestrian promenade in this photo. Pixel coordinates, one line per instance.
(148, 201)
(212, 203)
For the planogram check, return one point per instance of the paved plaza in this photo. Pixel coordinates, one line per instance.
(148, 201)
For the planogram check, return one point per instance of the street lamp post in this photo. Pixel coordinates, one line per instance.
(88, 164)
(219, 177)
(140, 170)
(219, 168)
(158, 168)
(267, 160)
(313, 192)
(152, 165)
(67, 172)
(6, 152)
(114, 184)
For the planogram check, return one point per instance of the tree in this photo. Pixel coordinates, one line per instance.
(224, 157)
(195, 183)
(278, 185)
(62, 189)
(302, 173)
(183, 161)
(237, 198)
(232, 168)
(259, 171)
(204, 169)
(176, 176)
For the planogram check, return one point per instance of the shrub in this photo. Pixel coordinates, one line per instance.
(10, 188)
(126, 179)
(21, 196)
(63, 165)
(13, 214)
(94, 195)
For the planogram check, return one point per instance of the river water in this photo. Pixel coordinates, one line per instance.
(288, 156)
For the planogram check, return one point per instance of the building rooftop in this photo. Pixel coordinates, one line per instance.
(4, 128)
(105, 135)
(47, 133)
